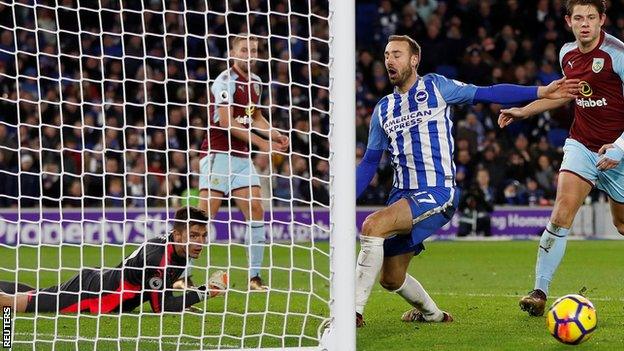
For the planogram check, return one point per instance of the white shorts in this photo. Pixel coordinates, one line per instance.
(224, 173)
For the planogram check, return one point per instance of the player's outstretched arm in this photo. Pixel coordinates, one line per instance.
(455, 92)
(516, 94)
(166, 301)
(509, 115)
(611, 154)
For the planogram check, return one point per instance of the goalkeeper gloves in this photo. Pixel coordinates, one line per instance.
(217, 284)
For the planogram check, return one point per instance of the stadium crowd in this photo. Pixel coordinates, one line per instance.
(111, 102)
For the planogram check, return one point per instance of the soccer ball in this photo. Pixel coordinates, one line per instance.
(571, 319)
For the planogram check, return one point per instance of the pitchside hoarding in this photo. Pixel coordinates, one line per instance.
(116, 226)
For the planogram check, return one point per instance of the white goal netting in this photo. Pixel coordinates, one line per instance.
(104, 109)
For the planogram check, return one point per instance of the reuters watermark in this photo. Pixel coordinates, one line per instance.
(6, 327)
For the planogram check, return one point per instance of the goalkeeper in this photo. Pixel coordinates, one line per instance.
(146, 275)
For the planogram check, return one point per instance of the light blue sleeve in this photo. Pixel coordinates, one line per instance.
(615, 49)
(453, 91)
(377, 137)
(223, 89)
(618, 63)
(564, 50)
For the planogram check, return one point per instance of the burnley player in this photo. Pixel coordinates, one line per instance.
(228, 170)
(595, 148)
(414, 125)
(147, 275)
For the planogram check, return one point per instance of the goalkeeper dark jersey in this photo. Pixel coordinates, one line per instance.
(147, 275)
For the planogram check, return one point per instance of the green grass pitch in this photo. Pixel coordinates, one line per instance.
(478, 282)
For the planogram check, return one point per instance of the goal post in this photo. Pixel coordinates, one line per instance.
(104, 108)
(342, 27)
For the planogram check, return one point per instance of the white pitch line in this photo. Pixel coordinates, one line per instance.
(517, 296)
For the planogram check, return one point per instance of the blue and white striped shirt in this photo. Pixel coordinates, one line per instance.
(415, 128)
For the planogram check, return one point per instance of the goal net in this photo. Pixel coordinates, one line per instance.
(106, 114)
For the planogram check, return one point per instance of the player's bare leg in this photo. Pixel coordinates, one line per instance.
(210, 201)
(617, 211)
(394, 277)
(396, 218)
(249, 200)
(18, 301)
(571, 193)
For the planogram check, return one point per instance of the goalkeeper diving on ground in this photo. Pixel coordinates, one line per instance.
(147, 275)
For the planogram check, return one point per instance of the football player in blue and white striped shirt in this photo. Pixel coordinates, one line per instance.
(414, 125)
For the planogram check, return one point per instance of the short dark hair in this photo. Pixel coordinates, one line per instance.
(189, 215)
(414, 47)
(600, 5)
(242, 37)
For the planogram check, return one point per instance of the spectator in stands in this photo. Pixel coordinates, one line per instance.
(533, 195)
(513, 193)
(72, 194)
(115, 193)
(521, 146)
(284, 182)
(51, 181)
(544, 174)
(8, 182)
(465, 168)
(136, 190)
(474, 69)
(388, 20)
(483, 184)
(424, 8)
(517, 167)
(475, 207)
(29, 182)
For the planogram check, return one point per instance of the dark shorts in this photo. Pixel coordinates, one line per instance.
(431, 209)
(65, 298)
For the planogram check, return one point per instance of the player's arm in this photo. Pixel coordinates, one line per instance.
(455, 92)
(377, 143)
(166, 301)
(555, 94)
(509, 115)
(612, 154)
(238, 131)
(513, 94)
(262, 125)
(171, 303)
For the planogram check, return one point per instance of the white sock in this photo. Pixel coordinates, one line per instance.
(369, 264)
(414, 293)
